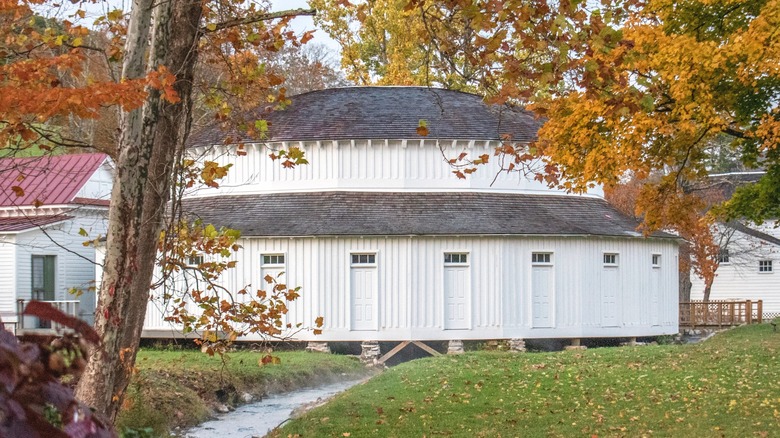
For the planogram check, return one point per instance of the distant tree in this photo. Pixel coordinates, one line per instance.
(308, 68)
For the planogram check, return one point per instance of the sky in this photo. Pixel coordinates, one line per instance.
(302, 24)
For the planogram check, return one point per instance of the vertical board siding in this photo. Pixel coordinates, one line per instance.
(360, 164)
(410, 278)
(7, 276)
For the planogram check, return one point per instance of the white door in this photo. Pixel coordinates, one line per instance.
(655, 285)
(542, 296)
(457, 289)
(609, 304)
(363, 297)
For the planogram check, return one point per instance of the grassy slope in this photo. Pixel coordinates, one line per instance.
(175, 388)
(727, 386)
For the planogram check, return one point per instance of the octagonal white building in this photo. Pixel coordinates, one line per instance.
(388, 244)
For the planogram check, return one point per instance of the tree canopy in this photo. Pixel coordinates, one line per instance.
(627, 87)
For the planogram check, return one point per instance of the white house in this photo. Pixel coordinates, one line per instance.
(749, 261)
(49, 206)
(388, 244)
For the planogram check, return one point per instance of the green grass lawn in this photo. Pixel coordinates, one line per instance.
(727, 386)
(175, 388)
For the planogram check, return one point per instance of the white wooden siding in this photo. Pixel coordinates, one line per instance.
(363, 165)
(740, 279)
(75, 263)
(98, 186)
(411, 285)
(8, 277)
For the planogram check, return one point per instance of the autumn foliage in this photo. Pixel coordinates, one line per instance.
(628, 88)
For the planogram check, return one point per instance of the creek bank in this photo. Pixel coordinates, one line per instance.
(175, 390)
(258, 418)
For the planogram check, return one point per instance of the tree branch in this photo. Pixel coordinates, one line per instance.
(257, 18)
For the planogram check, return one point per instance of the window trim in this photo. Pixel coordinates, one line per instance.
(196, 264)
(721, 253)
(458, 263)
(543, 263)
(767, 263)
(278, 264)
(656, 263)
(614, 264)
(352, 263)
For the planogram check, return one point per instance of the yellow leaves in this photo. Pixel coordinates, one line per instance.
(422, 128)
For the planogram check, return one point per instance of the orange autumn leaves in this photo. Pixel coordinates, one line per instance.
(47, 71)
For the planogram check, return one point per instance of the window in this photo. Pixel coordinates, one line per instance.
(723, 256)
(765, 266)
(363, 259)
(195, 260)
(455, 257)
(541, 258)
(656, 260)
(273, 259)
(610, 259)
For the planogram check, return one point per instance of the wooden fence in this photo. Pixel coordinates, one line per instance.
(720, 313)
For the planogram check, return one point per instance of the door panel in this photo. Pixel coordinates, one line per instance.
(542, 295)
(457, 291)
(609, 300)
(363, 284)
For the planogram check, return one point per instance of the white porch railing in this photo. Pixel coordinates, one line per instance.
(28, 323)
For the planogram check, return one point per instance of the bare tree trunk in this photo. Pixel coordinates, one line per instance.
(684, 276)
(152, 137)
(707, 290)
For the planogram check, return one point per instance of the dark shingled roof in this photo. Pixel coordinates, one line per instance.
(753, 232)
(386, 113)
(412, 213)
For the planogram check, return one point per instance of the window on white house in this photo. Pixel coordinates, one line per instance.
(610, 259)
(273, 259)
(656, 260)
(363, 259)
(196, 260)
(541, 258)
(723, 256)
(765, 266)
(455, 257)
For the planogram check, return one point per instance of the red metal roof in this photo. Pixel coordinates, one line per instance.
(14, 224)
(45, 180)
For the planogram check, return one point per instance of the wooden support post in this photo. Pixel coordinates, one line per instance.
(426, 348)
(692, 309)
(720, 314)
(732, 305)
(392, 352)
(760, 309)
(749, 312)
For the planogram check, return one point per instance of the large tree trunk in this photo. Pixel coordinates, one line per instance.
(152, 138)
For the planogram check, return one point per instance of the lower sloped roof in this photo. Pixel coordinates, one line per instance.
(412, 213)
(24, 223)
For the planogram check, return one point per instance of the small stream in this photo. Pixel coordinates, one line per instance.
(257, 419)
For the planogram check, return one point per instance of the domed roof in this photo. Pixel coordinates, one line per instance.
(388, 113)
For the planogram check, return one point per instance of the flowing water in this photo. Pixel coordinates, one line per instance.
(257, 419)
